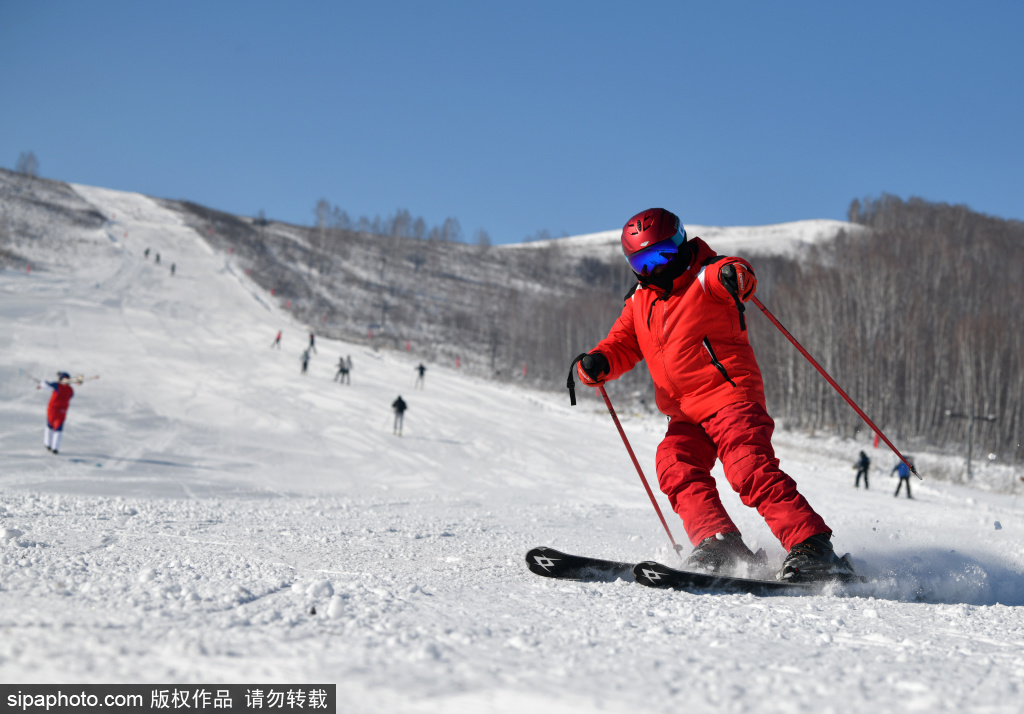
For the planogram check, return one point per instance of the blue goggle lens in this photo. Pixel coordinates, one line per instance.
(653, 256)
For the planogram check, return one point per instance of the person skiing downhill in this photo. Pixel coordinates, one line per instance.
(399, 406)
(420, 371)
(341, 376)
(903, 471)
(862, 465)
(57, 410)
(685, 317)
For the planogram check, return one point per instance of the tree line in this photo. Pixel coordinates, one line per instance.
(400, 224)
(915, 318)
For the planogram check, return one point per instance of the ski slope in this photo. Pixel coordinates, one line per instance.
(208, 498)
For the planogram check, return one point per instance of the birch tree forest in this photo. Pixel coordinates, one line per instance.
(919, 317)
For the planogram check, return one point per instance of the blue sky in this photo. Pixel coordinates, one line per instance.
(517, 117)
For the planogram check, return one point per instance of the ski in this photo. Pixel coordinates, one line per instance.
(551, 563)
(77, 379)
(656, 575)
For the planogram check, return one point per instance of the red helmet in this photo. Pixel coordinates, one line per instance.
(652, 238)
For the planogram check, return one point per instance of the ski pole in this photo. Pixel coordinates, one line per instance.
(650, 494)
(29, 375)
(831, 381)
(570, 384)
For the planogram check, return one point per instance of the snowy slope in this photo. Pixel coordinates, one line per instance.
(786, 239)
(209, 497)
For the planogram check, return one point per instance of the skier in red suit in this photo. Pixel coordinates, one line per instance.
(57, 410)
(685, 318)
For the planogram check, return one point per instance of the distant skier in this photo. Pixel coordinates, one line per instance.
(173, 268)
(684, 318)
(421, 370)
(277, 341)
(399, 406)
(903, 471)
(342, 374)
(145, 253)
(157, 259)
(862, 465)
(305, 361)
(312, 342)
(57, 410)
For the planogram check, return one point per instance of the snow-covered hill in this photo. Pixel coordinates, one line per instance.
(787, 239)
(209, 497)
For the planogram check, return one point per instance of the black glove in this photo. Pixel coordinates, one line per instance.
(738, 280)
(728, 274)
(595, 365)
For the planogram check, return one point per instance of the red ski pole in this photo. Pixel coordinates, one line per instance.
(611, 410)
(831, 381)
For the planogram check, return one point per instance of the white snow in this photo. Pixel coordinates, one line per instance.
(778, 239)
(208, 499)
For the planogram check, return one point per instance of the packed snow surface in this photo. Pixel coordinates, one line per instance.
(216, 516)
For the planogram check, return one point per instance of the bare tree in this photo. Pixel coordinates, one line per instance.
(340, 219)
(419, 229)
(322, 211)
(27, 164)
(401, 224)
(451, 231)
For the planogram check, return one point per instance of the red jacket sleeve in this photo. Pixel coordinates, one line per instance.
(713, 280)
(620, 347)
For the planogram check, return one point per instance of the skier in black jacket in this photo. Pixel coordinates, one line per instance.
(399, 406)
(862, 465)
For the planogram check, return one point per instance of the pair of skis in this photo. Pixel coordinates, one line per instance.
(77, 379)
(551, 563)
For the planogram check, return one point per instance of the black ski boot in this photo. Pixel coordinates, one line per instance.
(721, 553)
(814, 559)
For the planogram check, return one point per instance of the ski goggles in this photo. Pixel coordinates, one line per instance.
(654, 256)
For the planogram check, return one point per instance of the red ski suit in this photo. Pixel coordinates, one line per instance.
(57, 409)
(706, 379)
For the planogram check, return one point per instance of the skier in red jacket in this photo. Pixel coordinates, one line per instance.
(685, 318)
(57, 410)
